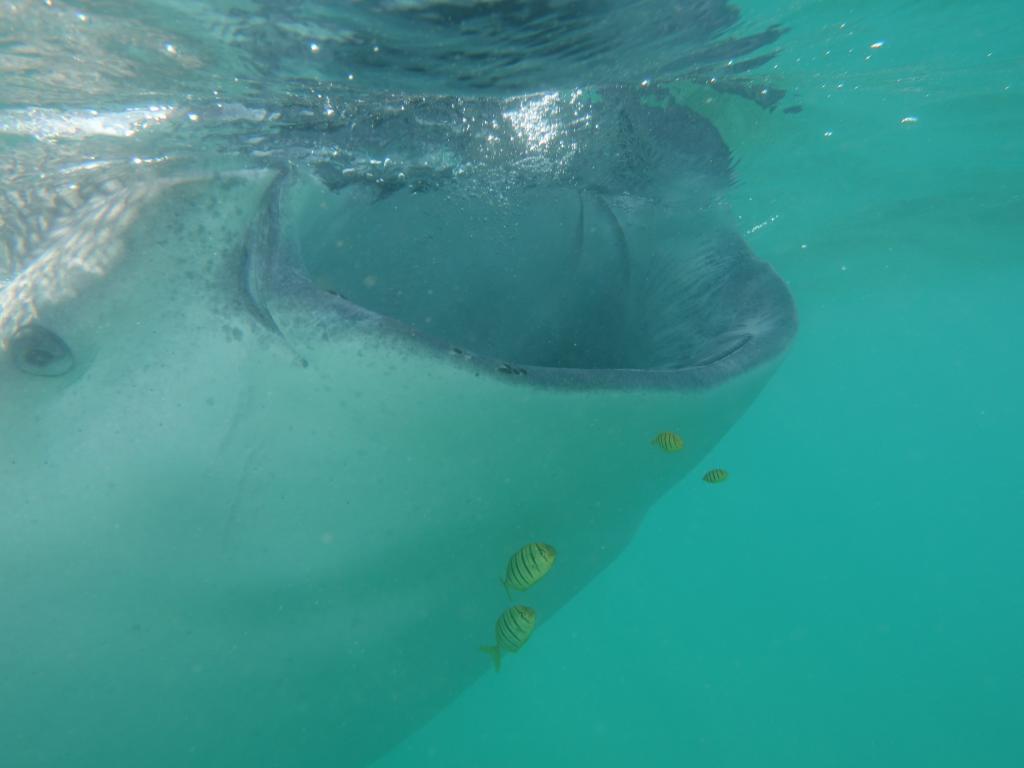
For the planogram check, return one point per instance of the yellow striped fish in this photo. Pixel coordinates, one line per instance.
(511, 632)
(715, 476)
(669, 442)
(528, 566)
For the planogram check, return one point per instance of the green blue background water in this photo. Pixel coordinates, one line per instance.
(854, 595)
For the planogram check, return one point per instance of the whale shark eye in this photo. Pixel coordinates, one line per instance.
(41, 352)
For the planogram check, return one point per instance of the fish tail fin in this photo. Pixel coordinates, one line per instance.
(495, 653)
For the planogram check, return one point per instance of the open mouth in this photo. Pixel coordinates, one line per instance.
(547, 277)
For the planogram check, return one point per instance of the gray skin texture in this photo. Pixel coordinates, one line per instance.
(264, 517)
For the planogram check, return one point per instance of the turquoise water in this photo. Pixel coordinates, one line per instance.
(853, 595)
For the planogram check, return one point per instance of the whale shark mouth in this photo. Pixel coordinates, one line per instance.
(556, 285)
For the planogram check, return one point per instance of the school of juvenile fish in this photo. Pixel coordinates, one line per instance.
(528, 565)
(670, 442)
(531, 563)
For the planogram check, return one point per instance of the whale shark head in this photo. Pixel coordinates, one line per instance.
(271, 436)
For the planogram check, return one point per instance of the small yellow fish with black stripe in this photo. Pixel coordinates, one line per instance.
(528, 566)
(669, 442)
(511, 632)
(715, 476)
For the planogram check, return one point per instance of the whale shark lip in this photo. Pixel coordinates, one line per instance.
(738, 355)
(744, 353)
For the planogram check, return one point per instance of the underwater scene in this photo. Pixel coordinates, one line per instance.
(482, 383)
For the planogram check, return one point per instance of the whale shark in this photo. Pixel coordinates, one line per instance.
(270, 433)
